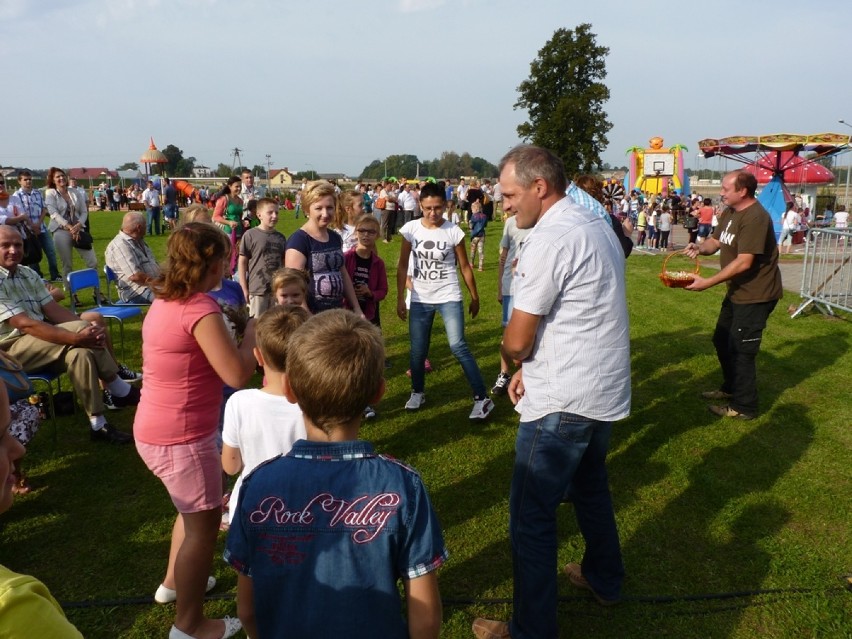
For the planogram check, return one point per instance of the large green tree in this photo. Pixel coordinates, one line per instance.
(177, 165)
(564, 97)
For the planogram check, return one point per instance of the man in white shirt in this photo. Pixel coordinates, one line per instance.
(247, 190)
(569, 328)
(151, 200)
(407, 203)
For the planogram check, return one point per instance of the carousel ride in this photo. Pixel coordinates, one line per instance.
(780, 161)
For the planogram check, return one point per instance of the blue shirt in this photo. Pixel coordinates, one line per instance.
(582, 198)
(325, 532)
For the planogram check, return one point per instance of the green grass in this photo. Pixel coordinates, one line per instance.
(703, 506)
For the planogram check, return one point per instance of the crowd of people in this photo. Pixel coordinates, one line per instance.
(349, 524)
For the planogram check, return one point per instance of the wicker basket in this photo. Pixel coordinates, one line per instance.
(678, 279)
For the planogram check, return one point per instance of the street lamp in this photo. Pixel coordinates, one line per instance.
(846, 195)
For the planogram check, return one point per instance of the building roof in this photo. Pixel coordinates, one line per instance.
(90, 173)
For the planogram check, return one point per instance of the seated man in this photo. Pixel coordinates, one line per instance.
(42, 335)
(132, 261)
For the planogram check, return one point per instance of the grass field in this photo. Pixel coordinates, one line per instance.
(728, 529)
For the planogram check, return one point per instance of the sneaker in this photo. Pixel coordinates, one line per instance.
(716, 394)
(490, 629)
(727, 411)
(110, 405)
(128, 375)
(501, 386)
(575, 576)
(415, 401)
(168, 595)
(481, 408)
(111, 435)
(369, 413)
(131, 399)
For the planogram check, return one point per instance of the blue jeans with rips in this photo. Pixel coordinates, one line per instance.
(420, 319)
(559, 457)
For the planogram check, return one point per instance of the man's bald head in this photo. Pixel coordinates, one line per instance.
(133, 223)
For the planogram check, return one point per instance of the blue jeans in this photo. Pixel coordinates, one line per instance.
(420, 319)
(46, 241)
(559, 457)
(153, 220)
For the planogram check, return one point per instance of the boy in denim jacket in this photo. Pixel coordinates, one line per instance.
(321, 536)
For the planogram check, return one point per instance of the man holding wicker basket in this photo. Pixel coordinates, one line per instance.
(749, 266)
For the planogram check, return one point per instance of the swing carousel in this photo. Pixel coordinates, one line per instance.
(779, 161)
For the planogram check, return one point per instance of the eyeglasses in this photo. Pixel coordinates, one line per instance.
(367, 231)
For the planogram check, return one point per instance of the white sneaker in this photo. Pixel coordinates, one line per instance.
(415, 401)
(481, 408)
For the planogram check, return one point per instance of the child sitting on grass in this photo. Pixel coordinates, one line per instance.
(260, 423)
(322, 536)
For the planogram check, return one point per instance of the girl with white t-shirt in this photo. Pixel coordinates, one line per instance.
(436, 246)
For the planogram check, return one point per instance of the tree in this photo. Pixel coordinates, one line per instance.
(564, 97)
(128, 166)
(258, 170)
(223, 170)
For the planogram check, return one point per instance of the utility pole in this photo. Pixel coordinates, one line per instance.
(237, 160)
(268, 164)
(846, 195)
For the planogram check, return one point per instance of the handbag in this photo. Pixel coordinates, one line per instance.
(83, 241)
(18, 385)
(32, 249)
(381, 203)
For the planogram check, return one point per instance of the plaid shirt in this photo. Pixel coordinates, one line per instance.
(32, 203)
(127, 256)
(20, 292)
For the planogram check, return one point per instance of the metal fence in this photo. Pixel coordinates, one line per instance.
(827, 271)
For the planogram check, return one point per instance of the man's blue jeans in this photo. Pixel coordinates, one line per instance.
(559, 457)
(420, 319)
(46, 241)
(153, 220)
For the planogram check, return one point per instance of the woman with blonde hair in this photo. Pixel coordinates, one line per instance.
(187, 356)
(319, 252)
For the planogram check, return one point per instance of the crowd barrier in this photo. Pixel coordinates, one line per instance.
(827, 271)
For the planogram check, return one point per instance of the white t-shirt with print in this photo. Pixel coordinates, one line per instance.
(433, 261)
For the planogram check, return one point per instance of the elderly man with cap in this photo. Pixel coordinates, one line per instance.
(43, 335)
(132, 260)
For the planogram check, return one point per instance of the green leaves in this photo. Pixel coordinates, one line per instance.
(564, 97)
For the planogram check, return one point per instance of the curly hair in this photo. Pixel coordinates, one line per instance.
(192, 249)
(51, 176)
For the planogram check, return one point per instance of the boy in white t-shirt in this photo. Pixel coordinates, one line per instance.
(260, 423)
(436, 245)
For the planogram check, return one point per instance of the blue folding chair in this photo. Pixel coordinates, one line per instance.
(88, 278)
(112, 279)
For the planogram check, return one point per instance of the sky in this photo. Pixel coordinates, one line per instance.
(331, 85)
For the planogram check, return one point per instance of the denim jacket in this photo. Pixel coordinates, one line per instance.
(325, 532)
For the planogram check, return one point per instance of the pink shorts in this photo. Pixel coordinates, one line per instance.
(192, 473)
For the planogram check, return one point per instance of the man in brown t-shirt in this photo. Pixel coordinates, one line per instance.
(749, 260)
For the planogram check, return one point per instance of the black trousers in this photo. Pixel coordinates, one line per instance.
(739, 331)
